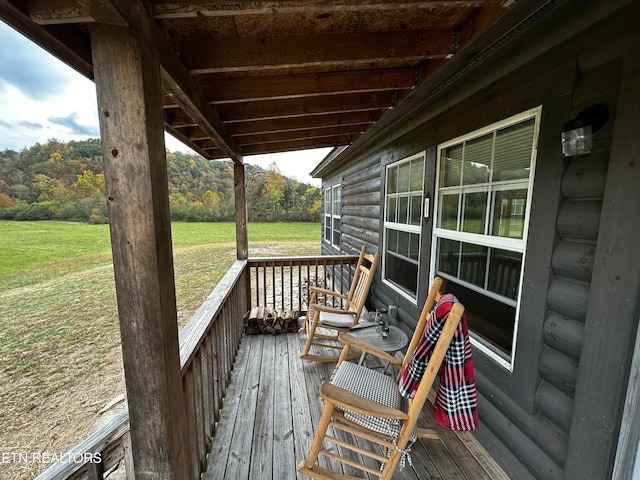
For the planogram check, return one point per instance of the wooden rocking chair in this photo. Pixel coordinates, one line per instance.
(375, 417)
(325, 322)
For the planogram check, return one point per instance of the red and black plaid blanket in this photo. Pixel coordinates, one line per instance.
(456, 401)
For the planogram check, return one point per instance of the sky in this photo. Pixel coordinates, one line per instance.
(42, 98)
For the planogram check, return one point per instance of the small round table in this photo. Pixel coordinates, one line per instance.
(397, 340)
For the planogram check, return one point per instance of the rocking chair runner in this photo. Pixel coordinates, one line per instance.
(366, 403)
(325, 322)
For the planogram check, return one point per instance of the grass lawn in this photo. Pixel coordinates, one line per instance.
(59, 317)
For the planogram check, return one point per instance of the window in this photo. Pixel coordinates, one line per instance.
(484, 186)
(402, 222)
(332, 214)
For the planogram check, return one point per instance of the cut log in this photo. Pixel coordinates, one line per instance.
(267, 320)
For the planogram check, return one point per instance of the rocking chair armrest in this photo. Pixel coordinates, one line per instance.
(365, 346)
(329, 309)
(324, 291)
(355, 403)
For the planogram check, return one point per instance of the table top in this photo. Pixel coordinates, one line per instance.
(396, 340)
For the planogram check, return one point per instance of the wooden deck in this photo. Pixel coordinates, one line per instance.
(272, 407)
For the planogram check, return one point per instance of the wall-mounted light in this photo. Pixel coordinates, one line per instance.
(577, 134)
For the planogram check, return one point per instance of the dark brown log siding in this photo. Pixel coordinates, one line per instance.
(528, 414)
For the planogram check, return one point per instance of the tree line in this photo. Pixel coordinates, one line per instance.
(65, 181)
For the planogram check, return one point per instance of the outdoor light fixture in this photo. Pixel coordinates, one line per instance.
(577, 134)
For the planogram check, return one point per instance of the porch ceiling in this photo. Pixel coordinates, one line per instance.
(251, 77)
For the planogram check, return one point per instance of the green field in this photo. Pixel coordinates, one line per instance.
(58, 307)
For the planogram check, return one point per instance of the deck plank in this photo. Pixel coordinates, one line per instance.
(221, 443)
(284, 462)
(261, 465)
(272, 407)
(242, 438)
(302, 424)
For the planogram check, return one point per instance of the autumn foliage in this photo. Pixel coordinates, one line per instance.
(65, 181)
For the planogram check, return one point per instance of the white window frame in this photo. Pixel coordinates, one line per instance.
(332, 212)
(486, 239)
(415, 229)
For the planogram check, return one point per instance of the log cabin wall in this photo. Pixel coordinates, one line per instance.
(360, 221)
(577, 225)
(528, 416)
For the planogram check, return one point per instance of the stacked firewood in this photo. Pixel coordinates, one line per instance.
(268, 320)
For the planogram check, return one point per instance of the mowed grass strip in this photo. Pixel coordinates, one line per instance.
(58, 305)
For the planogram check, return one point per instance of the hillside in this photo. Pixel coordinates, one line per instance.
(65, 181)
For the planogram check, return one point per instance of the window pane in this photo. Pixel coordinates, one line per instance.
(416, 210)
(417, 174)
(402, 272)
(451, 166)
(477, 160)
(448, 256)
(391, 210)
(513, 152)
(414, 246)
(392, 240)
(403, 210)
(327, 201)
(504, 272)
(474, 212)
(449, 212)
(327, 228)
(403, 243)
(508, 213)
(336, 231)
(487, 317)
(337, 200)
(392, 180)
(404, 175)
(473, 266)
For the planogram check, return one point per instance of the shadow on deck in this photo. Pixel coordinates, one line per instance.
(272, 407)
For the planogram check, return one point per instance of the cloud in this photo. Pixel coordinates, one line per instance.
(70, 122)
(21, 124)
(28, 68)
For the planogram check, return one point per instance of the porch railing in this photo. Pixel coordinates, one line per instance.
(283, 283)
(208, 345)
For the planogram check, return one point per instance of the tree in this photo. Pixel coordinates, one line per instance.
(89, 185)
(5, 201)
(50, 189)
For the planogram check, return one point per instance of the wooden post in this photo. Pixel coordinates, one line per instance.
(127, 75)
(242, 239)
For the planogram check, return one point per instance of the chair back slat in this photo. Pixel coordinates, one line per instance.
(362, 281)
(432, 299)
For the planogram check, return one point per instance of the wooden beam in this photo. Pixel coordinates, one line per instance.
(189, 9)
(255, 54)
(178, 135)
(291, 146)
(302, 107)
(240, 191)
(289, 124)
(351, 130)
(294, 146)
(129, 93)
(295, 86)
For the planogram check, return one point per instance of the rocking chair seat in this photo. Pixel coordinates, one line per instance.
(372, 385)
(340, 320)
